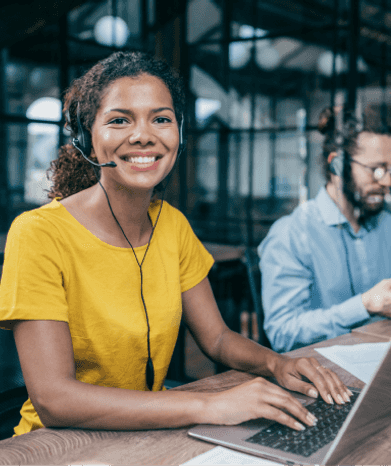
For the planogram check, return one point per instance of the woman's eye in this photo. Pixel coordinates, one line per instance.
(163, 120)
(118, 121)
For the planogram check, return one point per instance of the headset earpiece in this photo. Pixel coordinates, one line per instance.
(83, 138)
(181, 138)
(336, 165)
(82, 142)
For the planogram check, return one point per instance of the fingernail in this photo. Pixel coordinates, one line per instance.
(349, 392)
(313, 393)
(346, 397)
(299, 426)
(311, 419)
(340, 400)
(329, 399)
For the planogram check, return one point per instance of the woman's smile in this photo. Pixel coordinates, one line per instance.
(142, 161)
(136, 126)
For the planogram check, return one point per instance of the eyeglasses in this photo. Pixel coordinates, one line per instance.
(378, 173)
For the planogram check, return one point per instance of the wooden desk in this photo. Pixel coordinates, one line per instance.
(380, 329)
(168, 446)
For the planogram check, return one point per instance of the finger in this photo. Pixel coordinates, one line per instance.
(311, 368)
(274, 414)
(281, 399)
(298, 385)
(337, 388)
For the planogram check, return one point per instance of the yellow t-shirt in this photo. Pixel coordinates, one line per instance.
(55, 269)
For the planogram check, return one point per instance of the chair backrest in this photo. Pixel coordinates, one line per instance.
(11, 402)
(251, 260)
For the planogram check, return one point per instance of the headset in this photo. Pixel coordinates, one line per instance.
(82, 142)
(337, 164)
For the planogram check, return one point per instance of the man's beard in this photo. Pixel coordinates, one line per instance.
(364, 209)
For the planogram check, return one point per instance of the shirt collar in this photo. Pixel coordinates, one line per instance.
(328, 209)
(333, 216)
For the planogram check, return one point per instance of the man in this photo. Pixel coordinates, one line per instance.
(326, 268)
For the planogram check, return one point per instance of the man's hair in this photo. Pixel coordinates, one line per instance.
(377, 121)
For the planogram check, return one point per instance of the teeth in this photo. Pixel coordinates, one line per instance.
(375, 198)
(140, 159)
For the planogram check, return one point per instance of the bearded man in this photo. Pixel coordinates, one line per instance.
(326, 267)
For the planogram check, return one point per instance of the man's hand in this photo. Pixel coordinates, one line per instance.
(377, 300)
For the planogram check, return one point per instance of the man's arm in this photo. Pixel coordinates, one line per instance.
(288, 285)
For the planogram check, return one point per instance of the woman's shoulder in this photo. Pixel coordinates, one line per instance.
(42, 221)
(40, 216)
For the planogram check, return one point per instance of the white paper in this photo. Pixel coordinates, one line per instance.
(360, 360)
(221, 455)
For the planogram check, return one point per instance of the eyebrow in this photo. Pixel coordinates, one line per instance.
(128, 112)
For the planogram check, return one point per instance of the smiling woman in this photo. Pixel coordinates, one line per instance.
(95, 284)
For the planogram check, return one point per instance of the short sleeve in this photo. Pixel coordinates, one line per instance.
(195, 260)
(32, 285)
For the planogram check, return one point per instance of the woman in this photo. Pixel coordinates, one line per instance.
(94, 294)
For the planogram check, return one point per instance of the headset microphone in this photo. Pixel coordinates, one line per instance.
(77, 145)
(82, 142)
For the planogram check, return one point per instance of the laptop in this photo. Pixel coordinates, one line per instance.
(341, 430)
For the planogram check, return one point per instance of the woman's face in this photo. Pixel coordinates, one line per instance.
(136, 128)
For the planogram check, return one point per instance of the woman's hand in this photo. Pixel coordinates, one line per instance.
(289, 374)
(255, 399)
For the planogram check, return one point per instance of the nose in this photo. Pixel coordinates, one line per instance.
(141, 133)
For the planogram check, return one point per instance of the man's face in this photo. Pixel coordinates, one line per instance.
(362, 190)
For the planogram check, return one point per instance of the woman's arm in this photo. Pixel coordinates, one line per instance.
(46, 356)
(225, 346)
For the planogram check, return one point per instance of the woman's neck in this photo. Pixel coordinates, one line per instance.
(91, 208)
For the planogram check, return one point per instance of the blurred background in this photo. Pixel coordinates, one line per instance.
(257, 75)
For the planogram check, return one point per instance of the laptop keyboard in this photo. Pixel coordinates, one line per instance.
(310, 440)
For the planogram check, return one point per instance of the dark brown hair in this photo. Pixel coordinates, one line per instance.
(374, 120)
(70, 172)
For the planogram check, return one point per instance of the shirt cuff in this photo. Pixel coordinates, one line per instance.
(354, 311)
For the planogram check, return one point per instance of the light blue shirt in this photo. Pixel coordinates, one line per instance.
(306, 290)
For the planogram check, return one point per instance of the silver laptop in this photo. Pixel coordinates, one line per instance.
(343, 428)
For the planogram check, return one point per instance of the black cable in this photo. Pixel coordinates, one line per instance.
(150, 373)
(347, 261)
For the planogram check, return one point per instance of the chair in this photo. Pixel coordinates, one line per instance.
(176, 374)
(251, 261)
(11, 402)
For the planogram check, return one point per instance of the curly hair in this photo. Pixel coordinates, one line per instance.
(373, 121)
(70, 173)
